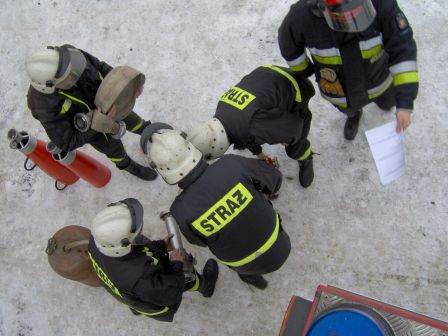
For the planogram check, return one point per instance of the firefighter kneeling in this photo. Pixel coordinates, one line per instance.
(223, 205)
(140, 272)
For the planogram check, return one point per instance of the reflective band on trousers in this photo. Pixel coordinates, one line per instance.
(163, 311)
(136, 127)
(75, 100)
(266, 246)
(290, 78)
(373, 93)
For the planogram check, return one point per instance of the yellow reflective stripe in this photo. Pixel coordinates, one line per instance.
(66, 106)
(290, 78)
(332, 60)
(163, 311)
(305, 155)
(103, 276)
(300, 67)
(115, 160)
(196, 284)
(366, 54)
(74, 99)
(380, 89)
(148, 253)
(224, 211)
(266, 246)
(136, 127)
(406, 78)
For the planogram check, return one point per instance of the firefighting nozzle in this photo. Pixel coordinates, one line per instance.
(176, 241)
(82, 165)
(67, 255)
(35, 151)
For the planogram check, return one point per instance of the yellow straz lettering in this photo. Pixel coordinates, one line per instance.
(103, 277)
(223, 211)
(237, 97)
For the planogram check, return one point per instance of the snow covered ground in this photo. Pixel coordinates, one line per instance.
(347, 230)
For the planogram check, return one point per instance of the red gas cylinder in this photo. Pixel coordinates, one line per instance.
(83, 165)
(35, 150)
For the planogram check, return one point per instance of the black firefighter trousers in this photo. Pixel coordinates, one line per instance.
(113, 148)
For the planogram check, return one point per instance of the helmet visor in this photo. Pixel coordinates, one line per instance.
(349, 15)
(75, 68)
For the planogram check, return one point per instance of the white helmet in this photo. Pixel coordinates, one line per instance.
(173, 156)
(115, 228)
(55, 67)
(210, 138)
(41, 68)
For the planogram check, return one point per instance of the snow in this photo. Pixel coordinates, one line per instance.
(346, 229)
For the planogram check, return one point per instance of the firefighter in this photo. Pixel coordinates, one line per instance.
(224, 206)
(362, 51)
(64, 82)
(137, 271)
(266, 106)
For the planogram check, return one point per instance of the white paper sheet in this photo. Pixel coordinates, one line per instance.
(388, 151)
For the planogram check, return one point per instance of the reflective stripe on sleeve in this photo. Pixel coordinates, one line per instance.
(265, 247)
(116, 160)
(299, 64)
(290, 78)
(326, 56)
(406, 78)
(407, 66)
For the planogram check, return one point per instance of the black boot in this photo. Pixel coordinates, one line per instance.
(255, 280)
(351, 126)
(144, 173)
(306, 172)
(210, 275)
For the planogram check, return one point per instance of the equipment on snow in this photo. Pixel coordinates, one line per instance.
(176, 241)
(338, 312)
(67, 255)
(82, 165)
(35, 150)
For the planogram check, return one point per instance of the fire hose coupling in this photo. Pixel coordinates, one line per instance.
(176, 241)
(66, 158)
(82, 122)
(21, 141)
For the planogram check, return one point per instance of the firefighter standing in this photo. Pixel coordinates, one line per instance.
(362, 51)
(224, 205)
(137, 271)
(64, 82)
(266, 106)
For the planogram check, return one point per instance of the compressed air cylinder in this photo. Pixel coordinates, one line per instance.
(35, 150)
(67, 255)
(82, 165)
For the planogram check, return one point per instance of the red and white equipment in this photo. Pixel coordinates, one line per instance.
(82, 165)
(35, 150)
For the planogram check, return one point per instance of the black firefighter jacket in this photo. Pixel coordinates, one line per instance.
(56, 111)
(353, 69)
(223, 206)
(264, 107)
(145, 279)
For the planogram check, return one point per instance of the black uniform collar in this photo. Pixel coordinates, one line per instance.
(193, 175)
